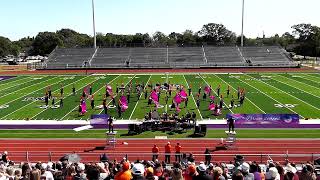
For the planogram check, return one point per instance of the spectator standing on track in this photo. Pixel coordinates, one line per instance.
(178, 152)
(167, 151)
(155, 152)
(207, 157)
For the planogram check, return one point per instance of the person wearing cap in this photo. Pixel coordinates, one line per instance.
(125, 173)
(244, 168)
(202, 173)
(167, 151)
(190, 173)
(155, 152)
(272, 174)
(178, 152)
(138, 171)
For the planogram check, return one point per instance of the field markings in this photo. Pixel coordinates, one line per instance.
(28, 103)
(288, 94)
(118, 93)
(303, 84)
(27, 87)
(193, 97)
(216, 94)
(67, 95)
(30, 92)
(268, 96)
(14, 85)
(236, 91)
(310, 78)
(92, 94)
(139, 99)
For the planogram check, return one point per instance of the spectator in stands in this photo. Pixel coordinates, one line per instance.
(178, 152)
(272, 174)
(138, 171)
(150, 174)
(190, 173)
(155, 152)
(177, 172)
(217, 174)
(290, 173)
(254, 171)
(307, 173)
(245, 167)
(124, 173)
(92, 172)
(5, 157)
(81, 175)
(167, 152)
(202, 173)
(237, 176)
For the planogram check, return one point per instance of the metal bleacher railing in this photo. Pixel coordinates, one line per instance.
(216, 157)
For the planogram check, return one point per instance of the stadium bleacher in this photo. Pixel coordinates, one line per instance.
(69, 57)
(170, 57)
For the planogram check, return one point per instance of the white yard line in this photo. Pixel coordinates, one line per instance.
(26, 87)
(23, 95)
(216, 94)
(297, 87)
(139, 98)
(193, 97)
(269, 96)
(309, 78)
(28, 103)
(67, 95)
(288, 94)
(18, 84)
(246, 98)
(93, 94)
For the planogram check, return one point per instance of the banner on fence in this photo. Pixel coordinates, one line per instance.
(97, 119)
(265, 118)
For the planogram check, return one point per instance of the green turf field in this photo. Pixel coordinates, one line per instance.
(265, 93)
(211, 133)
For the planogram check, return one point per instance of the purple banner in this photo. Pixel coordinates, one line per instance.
(97, 119)
(6, 77)
(265, 118)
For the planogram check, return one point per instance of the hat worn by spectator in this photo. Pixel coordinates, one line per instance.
(202, 167)
(192, 169)
(245, 167)
(149, 170)
(291, 169)
(138, 169)
(125, 166)
(273, 174)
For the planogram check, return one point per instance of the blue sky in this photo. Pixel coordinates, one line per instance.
(21, 18)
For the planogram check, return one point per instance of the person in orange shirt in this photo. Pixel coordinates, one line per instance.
(178, 152)
(167, 151)
(155, 152)
(125, 173)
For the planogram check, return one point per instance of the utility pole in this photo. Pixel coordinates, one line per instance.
(94, 27)
(242, 23)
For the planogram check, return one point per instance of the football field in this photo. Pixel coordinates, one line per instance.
(22, 97)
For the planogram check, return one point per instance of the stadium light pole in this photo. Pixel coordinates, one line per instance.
(94, 27)
(242, 23)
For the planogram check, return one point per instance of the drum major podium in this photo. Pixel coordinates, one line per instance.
(111, 140)
(231, 139)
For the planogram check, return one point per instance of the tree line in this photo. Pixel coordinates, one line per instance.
(304, 39)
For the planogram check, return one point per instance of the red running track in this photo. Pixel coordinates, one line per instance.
(38, 150)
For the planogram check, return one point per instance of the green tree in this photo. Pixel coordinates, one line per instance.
(45, 42)
(217, 34)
